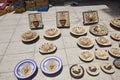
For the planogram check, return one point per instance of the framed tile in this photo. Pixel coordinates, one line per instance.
(35, 20)
(90, 17)
(62, 19)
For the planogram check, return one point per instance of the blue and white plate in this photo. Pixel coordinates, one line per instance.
(51, 65)
(25, 69)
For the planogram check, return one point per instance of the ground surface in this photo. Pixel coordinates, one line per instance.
(12, 50)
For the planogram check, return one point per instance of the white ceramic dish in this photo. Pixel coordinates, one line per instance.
(76, 71)
(116, 22)
(93, 69)
(78, 31)
(48, 67)
(85, 42)
(114, 51)
(98, 30)
(33, 37)
(101, 54)
(107, 67)
(86, 56)
(47, 48)
(52, 32)
(25, 69)
(115, 36)
(103, 40)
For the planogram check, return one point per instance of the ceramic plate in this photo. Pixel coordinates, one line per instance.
(85, 42)
(101, 54)
(34, 36)
(86, 56)
(115, 36)
(114, 51)
(78, 31)
(116, 22)
(25, 69)
(52, 32)
(107, 67)
(51, 65)
(116, 62)
(99, 30)
(93, 69)
(47, 48)
(76, 71)
(103, 40)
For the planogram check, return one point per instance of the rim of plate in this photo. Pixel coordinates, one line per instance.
(78, 34)
(54, 35)
(47, 58)
(21, 62)
(30, 39)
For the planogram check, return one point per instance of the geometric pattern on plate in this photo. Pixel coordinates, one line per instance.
(101, 54)
(85, 42)
(51, 65)
(47, 48)
(86, 56)
(52, 32)
(116, 36)
(76, 71)
(25, 69)
(107, 67)
(93, 69)
(116, 22)
(29, 36)
(78, 30)
(103, 40)
(114, 51)
(98, 29)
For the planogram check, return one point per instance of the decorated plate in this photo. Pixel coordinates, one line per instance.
(25, 69)
(93, 69)
(29, 36)
(114, 51)
(98, 30)
(51, 65)
(117, 63)
(116, 22)
(47, 48)
(101, 54)
(107, 67)
(85, 42)
(86, 56)
(103, 40)
(78, 31)
(76, 71)
(52, 32)
(115, 36)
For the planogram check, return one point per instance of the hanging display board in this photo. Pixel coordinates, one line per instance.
(90, 17)
(62, 19)
(35, 20)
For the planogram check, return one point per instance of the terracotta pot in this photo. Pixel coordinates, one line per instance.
(36, 23)
(63, 22)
